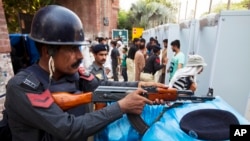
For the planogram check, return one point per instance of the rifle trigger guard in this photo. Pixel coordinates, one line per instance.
(144, 95)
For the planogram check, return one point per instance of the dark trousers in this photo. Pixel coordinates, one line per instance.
(162, 78)
(115, 72)
(5, 133)
(124, 73)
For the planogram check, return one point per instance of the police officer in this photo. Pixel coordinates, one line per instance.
(100, 53)
(104, 41)
(32, 113)
(152, 65)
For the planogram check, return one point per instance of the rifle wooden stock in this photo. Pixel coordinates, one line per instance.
(169, 94)
(66, 100)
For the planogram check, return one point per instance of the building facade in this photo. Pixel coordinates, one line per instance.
(99, 17)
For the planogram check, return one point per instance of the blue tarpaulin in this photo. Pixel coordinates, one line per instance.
(167, 128)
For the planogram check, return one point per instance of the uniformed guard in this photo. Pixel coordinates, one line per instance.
(100, 52)
(152, 65)
(32, 112)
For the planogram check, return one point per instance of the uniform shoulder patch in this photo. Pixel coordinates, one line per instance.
(99, 76)
(43, 100)
(157, 60)
(85, 74)
(31, 81)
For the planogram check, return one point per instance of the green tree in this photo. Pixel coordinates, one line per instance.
(123, 19)
(246, 4)
(233, 6)
(124, 22)
(12, 8)
(147, 14)
(159, 14)
(164, 2)
(137, 11)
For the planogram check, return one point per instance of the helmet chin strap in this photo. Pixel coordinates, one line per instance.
(51, 67)
(51, 51)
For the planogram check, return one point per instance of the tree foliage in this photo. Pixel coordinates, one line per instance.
(124, 22)
(163, 2)
(146, 14)
(244, 5)
(150, 13)
(13, 7)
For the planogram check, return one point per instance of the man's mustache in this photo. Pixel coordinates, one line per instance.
(77, 63)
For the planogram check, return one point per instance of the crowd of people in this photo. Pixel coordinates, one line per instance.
(31, 111)
(141, 60)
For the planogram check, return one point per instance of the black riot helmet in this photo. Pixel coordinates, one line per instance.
(57, 25)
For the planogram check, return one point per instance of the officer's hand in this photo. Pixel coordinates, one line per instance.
(156, 84)
(134, 102)
(107, 71)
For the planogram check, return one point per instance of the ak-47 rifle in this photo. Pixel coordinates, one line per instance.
(105, 94)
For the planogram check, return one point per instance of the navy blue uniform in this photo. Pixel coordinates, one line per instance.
(98, 71)
(152, 64)
(33, 115)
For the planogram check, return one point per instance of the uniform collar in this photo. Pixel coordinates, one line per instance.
(96, 67)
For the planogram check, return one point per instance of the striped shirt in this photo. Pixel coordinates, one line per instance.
(183, 83)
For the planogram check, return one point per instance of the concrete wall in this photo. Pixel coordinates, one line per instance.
(224, 42)
(230, 71)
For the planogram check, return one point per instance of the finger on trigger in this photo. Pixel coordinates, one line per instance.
(140, 91)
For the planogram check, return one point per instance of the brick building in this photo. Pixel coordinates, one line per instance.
(6, 71)
(99, 17)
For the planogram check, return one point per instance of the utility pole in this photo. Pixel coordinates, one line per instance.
(210, 5)
(228, 4)
(179, 12)
(186, 10)
(195, 8)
